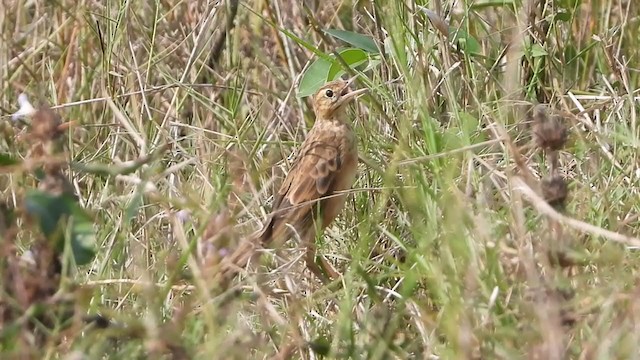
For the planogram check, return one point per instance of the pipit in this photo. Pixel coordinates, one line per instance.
(312, 194)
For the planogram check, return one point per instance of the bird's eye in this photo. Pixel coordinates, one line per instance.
(328, 93)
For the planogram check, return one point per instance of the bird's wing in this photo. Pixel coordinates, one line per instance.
(313, 173)
(312, 176)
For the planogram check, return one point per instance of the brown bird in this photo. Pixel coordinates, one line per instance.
(309, 199)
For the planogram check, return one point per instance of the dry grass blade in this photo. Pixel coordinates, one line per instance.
(543, 207)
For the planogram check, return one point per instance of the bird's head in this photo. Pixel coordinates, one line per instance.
(333, 96)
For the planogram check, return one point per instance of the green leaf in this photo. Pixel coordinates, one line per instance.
(83, 236)
(48, 209)
(322, 71)
(452, 139)
(320, 346)
(358, 40)
(353, 57)
(466, 42)
(563, 16)
(468, 123)
(538, 51)
(8, 159)
(314, 77)
(52, 211)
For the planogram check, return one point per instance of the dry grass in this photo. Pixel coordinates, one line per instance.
(460, 239)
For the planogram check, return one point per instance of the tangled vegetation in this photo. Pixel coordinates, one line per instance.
(495, 213)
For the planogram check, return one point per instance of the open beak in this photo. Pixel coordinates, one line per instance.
(350, 81)
(346, 95)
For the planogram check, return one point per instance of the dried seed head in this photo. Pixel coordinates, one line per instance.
(45, 125)
(549, 130)
(555, 191)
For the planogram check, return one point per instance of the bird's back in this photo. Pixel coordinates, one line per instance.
(326, 163)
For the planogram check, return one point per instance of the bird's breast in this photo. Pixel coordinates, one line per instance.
(349, 156)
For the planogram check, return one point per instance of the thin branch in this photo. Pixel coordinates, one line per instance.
(546, 209)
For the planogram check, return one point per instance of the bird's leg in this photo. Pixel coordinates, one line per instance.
(310, 259)
(324, 271)
(328, 268)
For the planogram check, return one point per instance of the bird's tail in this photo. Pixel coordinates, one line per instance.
(247, 252)
(234, 263)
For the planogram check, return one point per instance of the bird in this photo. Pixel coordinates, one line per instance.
(309, 200)
(314, 191)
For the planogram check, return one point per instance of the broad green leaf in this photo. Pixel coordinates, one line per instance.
(315, 75)
(353, 57)
(48, 209)
(358, 40)
(321, 70)
(452, 139)
(52, 211)
(564, 16)
(468, 123)
(466, 42)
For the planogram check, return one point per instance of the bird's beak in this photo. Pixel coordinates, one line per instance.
(351, 80)
(347, 95)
